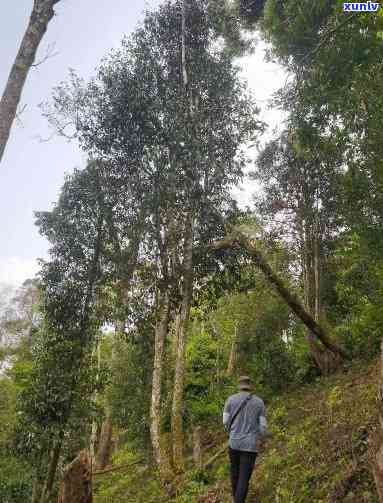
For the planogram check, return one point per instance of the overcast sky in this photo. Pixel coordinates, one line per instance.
(32, 171)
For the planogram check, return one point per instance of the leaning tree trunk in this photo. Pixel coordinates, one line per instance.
(42, 13)
(161, 330)
(239, 238)
(177, 406)
(76, 485)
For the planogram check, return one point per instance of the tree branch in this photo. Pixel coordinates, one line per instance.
(117, 467)
(326, 38)
(49, 54)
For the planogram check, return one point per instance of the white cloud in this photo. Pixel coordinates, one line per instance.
(15, 270)
(264, 79)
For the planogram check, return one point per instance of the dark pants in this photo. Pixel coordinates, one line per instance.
(242, 465)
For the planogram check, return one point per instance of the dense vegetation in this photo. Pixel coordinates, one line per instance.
(160, 291)
(319, 451)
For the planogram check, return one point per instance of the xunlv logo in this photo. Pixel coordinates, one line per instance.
(361, 7)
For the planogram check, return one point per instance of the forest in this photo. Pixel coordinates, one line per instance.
(160, 290)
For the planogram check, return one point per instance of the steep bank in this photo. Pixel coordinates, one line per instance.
(318, 453)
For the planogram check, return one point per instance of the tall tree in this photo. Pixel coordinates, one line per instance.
(335, 62)
(59, 380)
(176, 118)
(42, 13)
(301, 178)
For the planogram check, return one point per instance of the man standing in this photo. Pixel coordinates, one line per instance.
(244, 417)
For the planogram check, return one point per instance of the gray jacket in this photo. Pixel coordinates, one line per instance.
(250, 423)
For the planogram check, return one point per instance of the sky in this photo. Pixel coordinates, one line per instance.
(32, 170)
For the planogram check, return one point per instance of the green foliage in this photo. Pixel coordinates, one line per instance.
(51, 370)
(193, 490)
(130, 485)
(167, 148)
(21, 365)
(334, 102)
(228, 20)
(204, 384)
(293, 28)
(7, 409)
(262, 323)
(128, 393)
(15, 479)
(359, 289)
(16, 473)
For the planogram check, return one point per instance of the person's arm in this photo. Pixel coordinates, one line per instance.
(263, 422)
(226, 414)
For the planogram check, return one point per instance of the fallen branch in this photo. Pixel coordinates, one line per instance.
(115, 468)
(215, 457)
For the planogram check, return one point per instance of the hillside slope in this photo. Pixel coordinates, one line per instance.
(318, 453)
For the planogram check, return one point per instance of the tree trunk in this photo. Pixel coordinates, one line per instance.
(317, 275)
(376, 440)
(54, 459)
(197, 449)
(187, 291)
(76, 485)
(177, 405)
(41, 15)
(93, 442)
(161, 330)
(233, 354)
(37, 484)
(187, 285)
(183, 48)
(290, 298)
(104, 451)
(36, 490)
(106, 444)
(325, 359)
(94, 430)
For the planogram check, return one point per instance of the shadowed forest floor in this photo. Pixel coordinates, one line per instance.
(319, 451)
